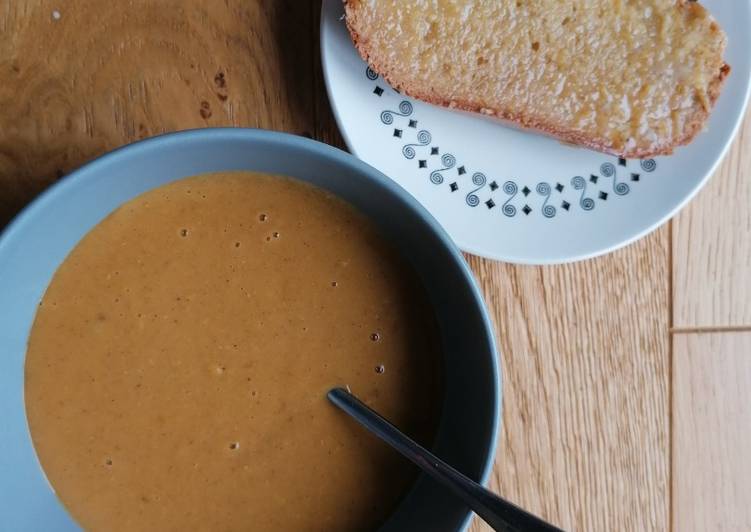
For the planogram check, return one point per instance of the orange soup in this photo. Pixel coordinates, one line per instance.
(177, 368)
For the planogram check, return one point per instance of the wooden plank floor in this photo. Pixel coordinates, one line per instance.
(711, 424)
(621, 412)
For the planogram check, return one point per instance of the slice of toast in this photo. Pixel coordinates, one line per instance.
(634, 78)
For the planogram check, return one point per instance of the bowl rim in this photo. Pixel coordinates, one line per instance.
(18, 224)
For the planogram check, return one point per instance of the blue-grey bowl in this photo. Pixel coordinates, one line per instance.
(36, 242)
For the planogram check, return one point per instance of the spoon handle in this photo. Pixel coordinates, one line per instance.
(497, 512)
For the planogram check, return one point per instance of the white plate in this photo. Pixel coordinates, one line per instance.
(516, 196)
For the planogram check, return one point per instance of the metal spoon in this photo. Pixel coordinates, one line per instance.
(498, 513)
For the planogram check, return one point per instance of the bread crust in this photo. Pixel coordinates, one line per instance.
(693, 127)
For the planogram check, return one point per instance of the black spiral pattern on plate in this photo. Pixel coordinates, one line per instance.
(448, 161)
(579, 183)
(423, 139)
(479, 180)
(510, 188)
(648, 165)
(608, 170)
(543, 189)
(405, 109)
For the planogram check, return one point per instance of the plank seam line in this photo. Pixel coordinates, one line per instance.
(710, 329)
(671, 369)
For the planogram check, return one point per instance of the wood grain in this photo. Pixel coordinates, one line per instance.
(100, 76)
(712, 432)
(712, 247)
(585, 356)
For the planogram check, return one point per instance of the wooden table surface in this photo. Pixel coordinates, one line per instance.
(626, 378)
